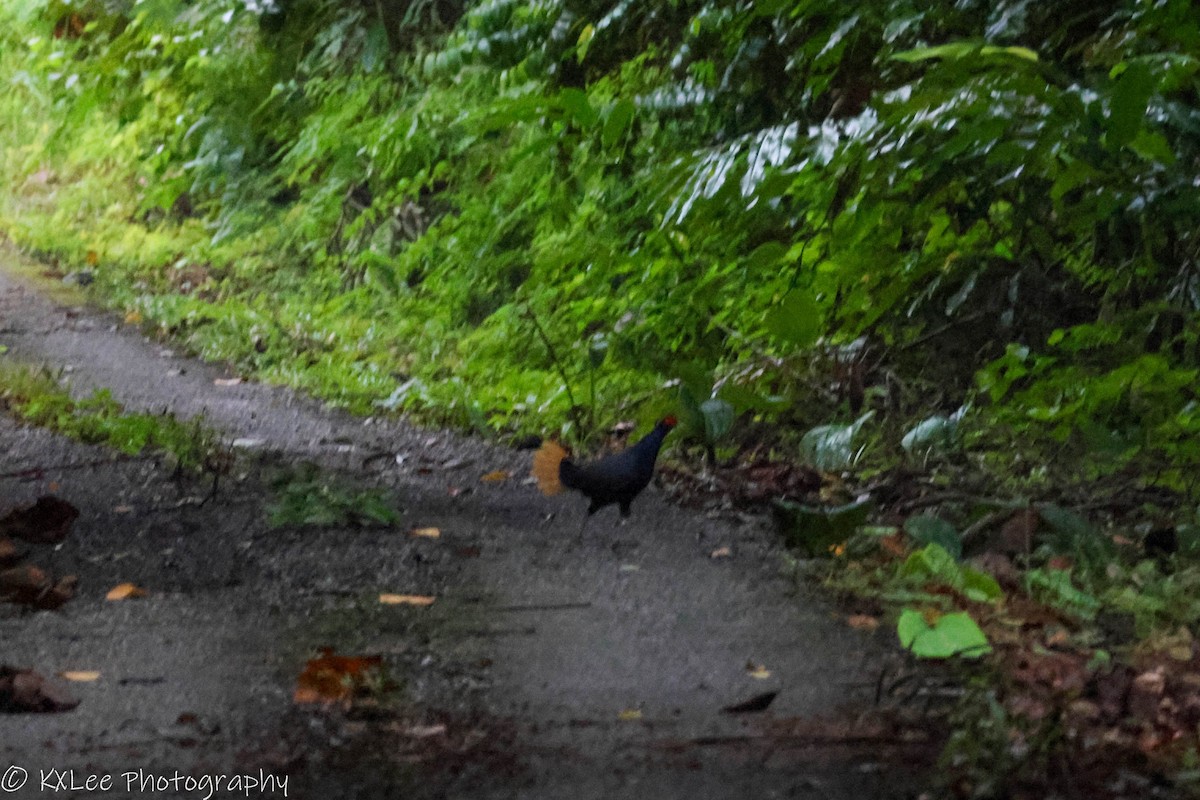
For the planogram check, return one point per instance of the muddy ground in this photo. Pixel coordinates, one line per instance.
(518, 682)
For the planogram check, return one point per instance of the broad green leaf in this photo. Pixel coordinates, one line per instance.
(718, 418)
(1127, 108)
(575, 102)
(950, 635)
(980, 586)
(955, 50)
(932, 561)
(584, 42)
(616, 123)
(829, 447)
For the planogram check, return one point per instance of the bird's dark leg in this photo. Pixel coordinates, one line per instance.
(592, 509)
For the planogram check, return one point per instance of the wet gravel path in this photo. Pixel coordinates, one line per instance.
(547, 667)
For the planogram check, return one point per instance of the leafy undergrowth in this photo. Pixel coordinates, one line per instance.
(38, 398)
(1068, 617)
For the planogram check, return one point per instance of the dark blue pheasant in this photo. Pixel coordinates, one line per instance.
(616, 479)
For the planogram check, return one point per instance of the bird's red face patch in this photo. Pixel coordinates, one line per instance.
(670, 421)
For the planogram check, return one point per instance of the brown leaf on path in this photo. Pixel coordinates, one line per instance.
(754, 705)
(31, 586)
(496, 476)
(406, 599)
(23, 690)
(630, 714)
(47, 521)
(426, 533)
(125, 591)
(80, 675)
(721, 552)
(330, 678)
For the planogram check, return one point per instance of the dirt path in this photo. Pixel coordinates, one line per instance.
(535, 647)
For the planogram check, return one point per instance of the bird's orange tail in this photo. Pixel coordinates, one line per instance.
(545, 466)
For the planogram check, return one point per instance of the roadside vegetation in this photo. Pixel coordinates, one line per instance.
(39, 398)
(923, 277)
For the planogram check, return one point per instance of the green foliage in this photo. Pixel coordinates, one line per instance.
(305, 497)
(928, 529)
(831, 447)
(946, 636)
(100, 419)
(656, 185)
(819, 531)
(933, 563)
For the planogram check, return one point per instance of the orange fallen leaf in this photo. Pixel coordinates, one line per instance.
(496, 476)
(331, 678)
(92, 258)
(406, 599)
(630, 714)
(125, 591)
(133, 317)
(428, 533)
(862, 622)
(80, 675)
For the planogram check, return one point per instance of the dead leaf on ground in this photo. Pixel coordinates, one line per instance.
(754, 705)
(226, 381)
(630, 714)
(47, 521)
(757, 671)
(427, 533)
(862, 622)
(80, 675)
(133, 317)
(496, 476)
(31, 586)
(721, 552)
(423, 731)
(125, 591)
(331, 678)
(23, 690)
(406, 599)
